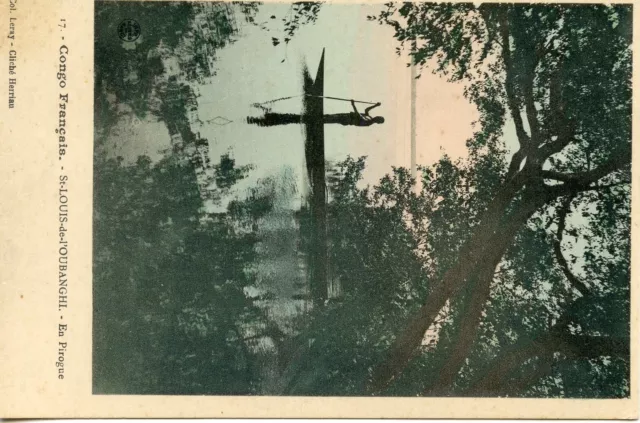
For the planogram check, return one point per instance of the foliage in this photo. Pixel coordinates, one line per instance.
(127, 70)
(169, 277)
(381, 279)
(298, 15)
(133, 70)
(519, 260)
(561, 74)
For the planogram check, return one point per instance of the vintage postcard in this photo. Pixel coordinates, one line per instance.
(318, 209)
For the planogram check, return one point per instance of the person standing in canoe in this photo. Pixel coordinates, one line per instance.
(355, 118)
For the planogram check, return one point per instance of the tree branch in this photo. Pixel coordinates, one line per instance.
(557, 248)
(512, 100)
(587, 346)
(558, 176)
(481, 281)
(516, 161)
(480, 245)
(473, 313)
(529, 106)
(498, 380)
(581, 181)
(479, 248)
(565, 137)
(560, 125)
(584, 178)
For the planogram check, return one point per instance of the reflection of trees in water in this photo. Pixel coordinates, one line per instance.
(168, 284)
(280, 267)
(169, 277)
(188, 31)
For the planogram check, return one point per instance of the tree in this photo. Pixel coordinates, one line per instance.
(130, 72)
(134, 71)
(171, 312)
(562, 74)
(519, 261)
(370, 245)
(284, 27)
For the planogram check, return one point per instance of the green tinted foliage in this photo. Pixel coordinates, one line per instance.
(177, 274)
(563, 71)
(169, 282)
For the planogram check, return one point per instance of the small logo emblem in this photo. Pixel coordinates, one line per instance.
(129, 30)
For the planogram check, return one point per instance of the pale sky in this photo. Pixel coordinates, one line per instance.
(360, 63)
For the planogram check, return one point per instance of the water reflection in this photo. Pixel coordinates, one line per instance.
(210, 261)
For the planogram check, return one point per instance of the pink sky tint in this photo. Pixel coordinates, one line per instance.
(369, 69)
(443, 119)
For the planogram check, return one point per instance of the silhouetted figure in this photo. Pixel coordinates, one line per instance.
(354, 118)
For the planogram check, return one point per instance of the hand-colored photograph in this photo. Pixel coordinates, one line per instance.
(360, 199)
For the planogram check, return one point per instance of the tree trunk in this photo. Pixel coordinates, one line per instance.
(484, 248)
(493, 253)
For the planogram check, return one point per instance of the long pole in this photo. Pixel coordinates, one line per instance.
(338, 98)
